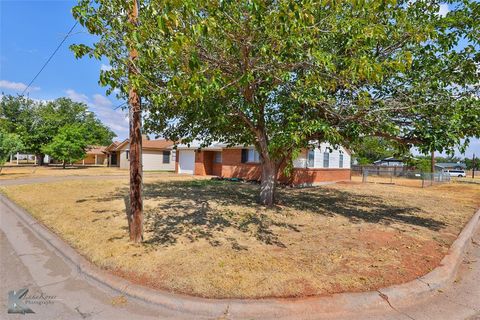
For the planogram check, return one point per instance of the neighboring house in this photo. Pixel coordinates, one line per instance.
(95, 156)
(156, 155)
(390, 162)
(316, 166)
(450, 166)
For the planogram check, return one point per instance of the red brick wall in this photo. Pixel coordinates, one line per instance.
(232, 167)
(200, 164)
(313, 176)
(217, 169)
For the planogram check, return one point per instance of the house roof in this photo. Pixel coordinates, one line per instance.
(197, 144)
(96, 149)
(389, 159)
(450, 165)
(112, 146)
(157, 144)
(147, 144)
(217, 146)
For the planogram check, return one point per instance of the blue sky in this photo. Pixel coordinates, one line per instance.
(31, 30)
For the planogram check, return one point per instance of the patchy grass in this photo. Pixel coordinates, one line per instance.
(211, 239)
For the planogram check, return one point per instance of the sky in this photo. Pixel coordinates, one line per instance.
(31, 30)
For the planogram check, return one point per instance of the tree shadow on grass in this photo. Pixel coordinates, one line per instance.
(197, 210)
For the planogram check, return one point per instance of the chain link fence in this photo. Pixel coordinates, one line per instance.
(405, 178)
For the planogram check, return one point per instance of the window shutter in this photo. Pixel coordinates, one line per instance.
(244, 155)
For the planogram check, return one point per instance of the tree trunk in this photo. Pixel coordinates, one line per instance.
(268, 184)
(64, 164)
(40, 159)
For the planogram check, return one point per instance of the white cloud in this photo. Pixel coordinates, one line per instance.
(116, 120)
(105, 67)
(443, 10)
(16, 86)
(77, 97)
(102, 101)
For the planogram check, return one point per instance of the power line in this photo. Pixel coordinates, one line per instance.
(50, 58)
(123, 103)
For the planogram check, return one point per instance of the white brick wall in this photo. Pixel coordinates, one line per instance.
(334, 158)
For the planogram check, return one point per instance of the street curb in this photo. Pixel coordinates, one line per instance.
(295, 308)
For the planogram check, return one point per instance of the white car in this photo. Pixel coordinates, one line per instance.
(456, 173)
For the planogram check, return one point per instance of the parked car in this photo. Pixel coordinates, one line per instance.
(456, 173)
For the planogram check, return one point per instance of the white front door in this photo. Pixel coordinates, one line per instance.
(186, 161)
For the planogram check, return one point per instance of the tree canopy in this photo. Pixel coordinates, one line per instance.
(9, 144)
(69, 145)
(283, 74)
(37, 123)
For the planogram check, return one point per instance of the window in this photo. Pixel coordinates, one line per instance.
(340, 162)
(326, 159)
(166, 156)
(217, 158)
(311, 158)
(127, 154)
(244, 155)
(253, 156)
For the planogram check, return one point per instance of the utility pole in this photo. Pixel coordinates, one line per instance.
(135, 217)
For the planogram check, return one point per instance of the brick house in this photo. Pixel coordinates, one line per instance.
(316, 166)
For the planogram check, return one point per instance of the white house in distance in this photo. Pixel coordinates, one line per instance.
(157, 155)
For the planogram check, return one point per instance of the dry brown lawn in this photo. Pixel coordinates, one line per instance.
(20, 172)
(211, 239)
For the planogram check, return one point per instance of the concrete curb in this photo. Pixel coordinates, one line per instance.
(306, 308)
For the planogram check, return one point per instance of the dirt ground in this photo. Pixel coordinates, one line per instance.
(211, 239)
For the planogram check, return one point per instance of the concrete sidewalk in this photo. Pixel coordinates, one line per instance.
(28, 261)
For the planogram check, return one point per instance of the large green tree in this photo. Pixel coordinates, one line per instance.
(37, 122)
(69, 145)
(9, 143)
(282, 74)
